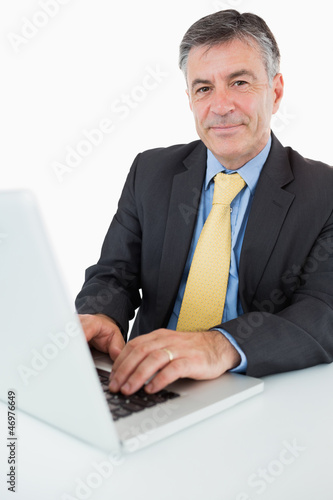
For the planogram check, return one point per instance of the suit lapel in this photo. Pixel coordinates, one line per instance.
(269, 209)
(182, 215)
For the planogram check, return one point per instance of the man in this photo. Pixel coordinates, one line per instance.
(274, 309)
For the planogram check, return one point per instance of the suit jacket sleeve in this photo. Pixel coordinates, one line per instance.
(301, 334)
(288, 319)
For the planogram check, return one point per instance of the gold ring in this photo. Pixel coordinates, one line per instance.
(169, 353)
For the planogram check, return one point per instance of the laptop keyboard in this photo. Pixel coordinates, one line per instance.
(122, 406)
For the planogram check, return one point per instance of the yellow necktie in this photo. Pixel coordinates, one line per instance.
(206, 287)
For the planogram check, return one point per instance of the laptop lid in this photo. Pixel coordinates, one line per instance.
(41, 334)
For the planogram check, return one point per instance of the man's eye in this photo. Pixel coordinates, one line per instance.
(202, 90)
(240, 83)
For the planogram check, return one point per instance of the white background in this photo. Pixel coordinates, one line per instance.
(66, 77)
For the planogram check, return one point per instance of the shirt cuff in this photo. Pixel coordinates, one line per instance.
(242, 367)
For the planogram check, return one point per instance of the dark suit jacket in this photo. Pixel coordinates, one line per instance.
(286, 264)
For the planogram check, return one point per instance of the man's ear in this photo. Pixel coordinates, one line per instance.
(278, 88)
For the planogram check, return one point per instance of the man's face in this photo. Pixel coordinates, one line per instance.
(231, 99)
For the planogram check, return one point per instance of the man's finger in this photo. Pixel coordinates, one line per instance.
(135, 371)
(87, 326)
(117, 344)
(171, 372)
(144, 344)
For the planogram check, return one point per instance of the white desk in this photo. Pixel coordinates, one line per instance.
(275, 446)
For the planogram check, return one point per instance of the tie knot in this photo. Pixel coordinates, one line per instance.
(227, 186)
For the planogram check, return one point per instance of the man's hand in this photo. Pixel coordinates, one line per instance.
(102, 333)
(197, 355)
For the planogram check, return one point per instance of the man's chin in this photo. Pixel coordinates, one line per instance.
(231, 156)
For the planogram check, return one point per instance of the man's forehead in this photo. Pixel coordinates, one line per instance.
(236, 50)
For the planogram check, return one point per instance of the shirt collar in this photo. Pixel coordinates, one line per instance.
(250, 172)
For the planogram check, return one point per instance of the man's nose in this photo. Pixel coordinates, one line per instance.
(222, 102)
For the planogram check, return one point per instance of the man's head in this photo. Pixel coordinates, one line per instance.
(231, 65)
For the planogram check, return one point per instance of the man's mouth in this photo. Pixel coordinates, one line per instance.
(226, 127)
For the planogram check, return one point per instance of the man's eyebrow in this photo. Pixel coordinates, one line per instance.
(199, 81)
(242, 72)
(235, 74)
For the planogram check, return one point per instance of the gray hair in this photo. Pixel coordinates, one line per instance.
(225, 26)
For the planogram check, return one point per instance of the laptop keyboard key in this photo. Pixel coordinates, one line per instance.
(132, 407)
(123, 406)
(142, 401)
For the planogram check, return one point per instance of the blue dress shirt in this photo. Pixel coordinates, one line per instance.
(240, 207)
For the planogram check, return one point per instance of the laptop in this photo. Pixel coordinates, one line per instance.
(47, 364)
